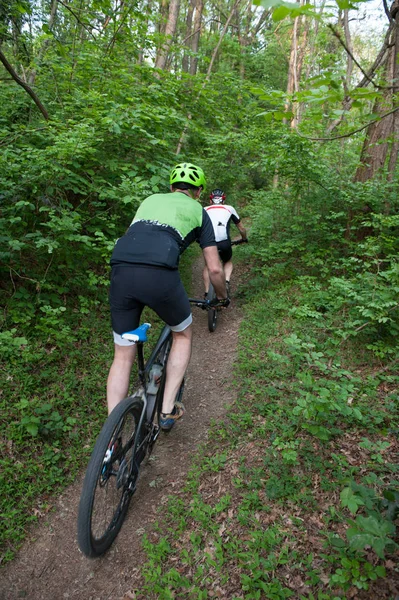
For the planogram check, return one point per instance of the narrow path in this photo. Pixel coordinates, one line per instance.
(50, 566)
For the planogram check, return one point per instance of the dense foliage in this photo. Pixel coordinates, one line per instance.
(100, 130)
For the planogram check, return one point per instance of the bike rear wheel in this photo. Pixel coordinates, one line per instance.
(212, 312)
(110, 479)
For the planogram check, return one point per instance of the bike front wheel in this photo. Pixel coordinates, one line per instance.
(212, 312)
(110, 479)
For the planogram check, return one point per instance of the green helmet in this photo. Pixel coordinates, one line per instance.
(188, 173)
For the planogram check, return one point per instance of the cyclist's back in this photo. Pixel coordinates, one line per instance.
(221, 216)
(145, 273)
(163, 227)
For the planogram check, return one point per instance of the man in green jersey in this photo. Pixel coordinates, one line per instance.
(145, 273)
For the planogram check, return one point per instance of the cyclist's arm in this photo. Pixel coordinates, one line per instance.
(215, 269)
(242, 230)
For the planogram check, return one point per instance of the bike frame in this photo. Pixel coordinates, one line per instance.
(143, 371)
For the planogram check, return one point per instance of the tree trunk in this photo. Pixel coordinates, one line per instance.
(381, 141)
(380, 146)
(393, 158)
(147, 12)
(298, 47)
(196, 36)
(163, 15)
(170, 31)
(348, 41)
(207, 77)
(242, 39)
(189, 27)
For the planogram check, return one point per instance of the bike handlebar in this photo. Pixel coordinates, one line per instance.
(206, 305)
(198, 302)
(238, 242)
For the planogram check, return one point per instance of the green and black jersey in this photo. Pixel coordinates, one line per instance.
(163, 227)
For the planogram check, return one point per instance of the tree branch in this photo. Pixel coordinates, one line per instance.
(379, 58)
(347, 50)
(387, 12)
(345, 135)
(26, 87)
(77, 18)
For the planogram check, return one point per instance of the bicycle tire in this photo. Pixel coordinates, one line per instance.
(106, 492)
(212, 312)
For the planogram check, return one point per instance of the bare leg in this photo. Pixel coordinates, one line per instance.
(228, 269)
(205, 276)
(119, 375)
(179, 358)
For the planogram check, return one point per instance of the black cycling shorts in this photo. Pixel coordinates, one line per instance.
(225, 251)
(134, 287)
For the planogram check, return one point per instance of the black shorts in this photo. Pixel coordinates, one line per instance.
(134, 287)
(225, 251)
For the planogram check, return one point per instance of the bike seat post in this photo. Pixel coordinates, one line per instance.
(140, 360)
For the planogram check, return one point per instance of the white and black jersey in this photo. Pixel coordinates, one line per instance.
(221, 216)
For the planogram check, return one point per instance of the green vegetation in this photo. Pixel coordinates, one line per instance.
(98, 101)
(296, 493)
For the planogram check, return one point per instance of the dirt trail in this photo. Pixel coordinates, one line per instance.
(50, 566)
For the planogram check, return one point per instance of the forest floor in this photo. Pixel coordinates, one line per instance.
(50, 566)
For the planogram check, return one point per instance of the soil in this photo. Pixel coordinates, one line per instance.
(50, 566)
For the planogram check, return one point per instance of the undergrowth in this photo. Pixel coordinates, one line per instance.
(296, 493)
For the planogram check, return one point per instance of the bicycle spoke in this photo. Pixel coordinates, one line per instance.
(109, 493)
(110, 478)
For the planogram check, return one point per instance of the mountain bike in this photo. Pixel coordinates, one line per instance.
(128, 435)
(213, 312)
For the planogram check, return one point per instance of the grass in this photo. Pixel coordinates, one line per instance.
(296, 494)
(52, 409)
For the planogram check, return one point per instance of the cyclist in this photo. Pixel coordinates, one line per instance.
(221, 215)
(145, 273)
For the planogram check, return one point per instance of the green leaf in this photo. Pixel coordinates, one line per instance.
(32, 429)
(61, 50)
(343, 4)
(371, 525)
(350, 500)
(279, 116)
(23, 9)
(47, 29)
(337, 542)
(280, 13)
(273, 3)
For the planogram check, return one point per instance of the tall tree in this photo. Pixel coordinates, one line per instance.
(170, 30)
(188, 35)
(299, 37)
(199, 5)
(380, 147)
